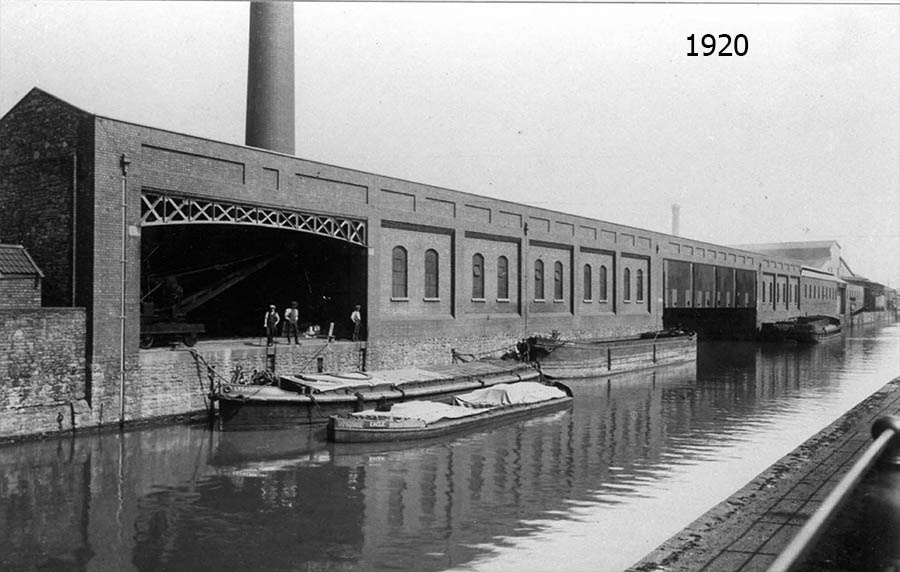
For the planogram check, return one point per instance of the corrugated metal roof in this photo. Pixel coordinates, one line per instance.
(15, 260)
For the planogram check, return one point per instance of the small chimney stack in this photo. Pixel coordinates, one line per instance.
(270, 77)
(676, 211)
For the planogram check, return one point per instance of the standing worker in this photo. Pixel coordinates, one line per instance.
(291, 317)
(270, 322)
(356, 318)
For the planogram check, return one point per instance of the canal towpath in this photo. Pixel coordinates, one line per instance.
(747, 531)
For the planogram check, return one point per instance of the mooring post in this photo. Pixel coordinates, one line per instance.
(270, 358)
(891, 454)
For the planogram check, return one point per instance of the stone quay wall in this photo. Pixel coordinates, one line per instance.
(864, 318)
(42, 367)
(42, 371)
(176, 382)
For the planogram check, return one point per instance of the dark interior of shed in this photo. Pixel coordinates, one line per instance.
(226, 276)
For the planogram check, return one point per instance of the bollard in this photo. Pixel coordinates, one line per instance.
(878, 522)
(270, 359)
(320, 364)
(891, 454)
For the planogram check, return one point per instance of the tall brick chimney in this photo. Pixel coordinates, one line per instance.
(270, 77)
(676, 211)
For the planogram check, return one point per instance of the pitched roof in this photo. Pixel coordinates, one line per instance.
(15, 261)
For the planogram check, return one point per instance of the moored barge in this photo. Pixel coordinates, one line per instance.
(567, 359)
(415, 420)
(311, 399)
(803, 329)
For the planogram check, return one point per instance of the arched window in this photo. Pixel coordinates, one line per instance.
(557, 280)
(398, 273)
(538, 279)
(431, 274)
(626, 285)
(640, 285)
(478, 276)
(503, 278)
(588, 292)
(603, 291)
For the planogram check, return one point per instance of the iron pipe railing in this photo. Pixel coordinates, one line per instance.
(885, 449)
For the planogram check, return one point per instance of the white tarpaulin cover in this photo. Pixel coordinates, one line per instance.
(509, 394)
(427, 411)
(472, 403)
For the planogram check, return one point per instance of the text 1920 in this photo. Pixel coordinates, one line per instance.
(727, 46)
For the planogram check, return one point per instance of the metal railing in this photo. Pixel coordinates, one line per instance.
(884, 449)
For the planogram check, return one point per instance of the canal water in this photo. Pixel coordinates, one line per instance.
(637, 458)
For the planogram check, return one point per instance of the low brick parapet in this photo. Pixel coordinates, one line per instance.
(42, 371)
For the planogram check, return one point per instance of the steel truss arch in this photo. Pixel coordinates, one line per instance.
(161, 208)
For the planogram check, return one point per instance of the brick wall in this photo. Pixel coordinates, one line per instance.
(415, 242)
(42, 369)
(491, 248)
(39, 138)
(819, 297)
(20, 292)
(170, 382)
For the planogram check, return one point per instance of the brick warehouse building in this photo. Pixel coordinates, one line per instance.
(109, 208)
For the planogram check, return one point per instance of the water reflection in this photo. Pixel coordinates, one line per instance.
(636, 459)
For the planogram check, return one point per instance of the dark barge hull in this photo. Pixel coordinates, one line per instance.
(803, 329)
(244, 407)
(570, 359)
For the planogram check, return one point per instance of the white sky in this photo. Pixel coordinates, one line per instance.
(592, 109)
